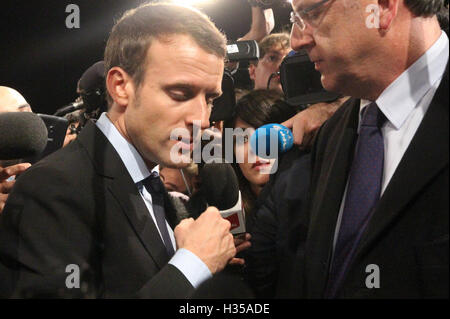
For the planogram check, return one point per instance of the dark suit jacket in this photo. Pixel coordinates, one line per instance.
(408, 234)
(280, 205)
(80, 206)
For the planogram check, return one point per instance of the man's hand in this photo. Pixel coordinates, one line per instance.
(305, 124)
(209, 238)
(6, 186)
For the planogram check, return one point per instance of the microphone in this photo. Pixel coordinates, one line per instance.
(271, 139)
(22, 134)
(219, 188)
(74, 106)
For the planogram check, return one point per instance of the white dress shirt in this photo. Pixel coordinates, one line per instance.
(404, 103)
(192, 267)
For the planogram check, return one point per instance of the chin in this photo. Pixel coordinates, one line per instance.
(185, 162)
(329, 83)
(277, 87)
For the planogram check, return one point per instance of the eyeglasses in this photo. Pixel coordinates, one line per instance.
(306, 15)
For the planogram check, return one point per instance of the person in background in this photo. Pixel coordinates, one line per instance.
(253, 110)
(279, 208)
(273, 49)
(11, 101)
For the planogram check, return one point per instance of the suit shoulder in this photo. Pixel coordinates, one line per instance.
(340, 117)
(65, 168)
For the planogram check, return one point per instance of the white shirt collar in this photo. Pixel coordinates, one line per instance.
(130, 156)
(399, 99)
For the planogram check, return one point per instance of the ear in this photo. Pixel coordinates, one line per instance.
(388, 12)
(120, 86)
(252, 71)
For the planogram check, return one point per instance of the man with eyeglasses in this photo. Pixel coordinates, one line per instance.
(377, 222)
(273, 49)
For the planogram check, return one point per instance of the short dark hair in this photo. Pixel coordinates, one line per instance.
(132, 35)
(424, 8)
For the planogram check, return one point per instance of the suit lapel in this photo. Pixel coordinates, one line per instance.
(137, 213)
(108, 164)
(425, 157)
(326, 202)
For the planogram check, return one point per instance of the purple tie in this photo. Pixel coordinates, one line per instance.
(363, 192)
(155, 187)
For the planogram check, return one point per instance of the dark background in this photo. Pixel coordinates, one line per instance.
(43, 59)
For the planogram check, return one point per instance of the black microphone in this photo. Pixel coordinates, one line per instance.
(220, 185)
(219, 188)
(22, 134)
(74, 106)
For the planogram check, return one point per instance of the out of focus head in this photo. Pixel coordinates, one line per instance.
(368, 42)
(173, 180)
(253, 110)
(273, 48)
(12, 101)
(164, 65)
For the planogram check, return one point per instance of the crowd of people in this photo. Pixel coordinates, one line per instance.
(357, 209)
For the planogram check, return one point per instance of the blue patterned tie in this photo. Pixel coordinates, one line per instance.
(155, 187)
(363, 192)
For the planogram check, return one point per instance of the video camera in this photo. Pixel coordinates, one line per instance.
(237, 51)
(301, 82)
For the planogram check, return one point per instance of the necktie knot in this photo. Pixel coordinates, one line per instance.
(372, 116)
(153, 183)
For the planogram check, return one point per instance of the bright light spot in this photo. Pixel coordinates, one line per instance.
(190, 2)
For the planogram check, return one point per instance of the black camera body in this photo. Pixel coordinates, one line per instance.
(301, 82)
(238, 51)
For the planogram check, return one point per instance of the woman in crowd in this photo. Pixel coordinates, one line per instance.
(253, 110)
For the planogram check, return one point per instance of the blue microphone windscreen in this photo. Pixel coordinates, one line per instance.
(269, 136)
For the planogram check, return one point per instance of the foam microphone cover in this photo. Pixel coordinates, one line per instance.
(220, 186)
(279, 134)
(22, 134)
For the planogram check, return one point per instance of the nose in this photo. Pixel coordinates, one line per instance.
(301, 39)
(199, 111)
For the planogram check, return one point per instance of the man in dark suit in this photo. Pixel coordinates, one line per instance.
(377, 222)
(92, 220)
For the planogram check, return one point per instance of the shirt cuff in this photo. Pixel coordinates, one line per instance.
(192, 267)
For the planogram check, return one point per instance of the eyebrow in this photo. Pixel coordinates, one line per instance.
(192, 88)
(20, 106)
(23, 106)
